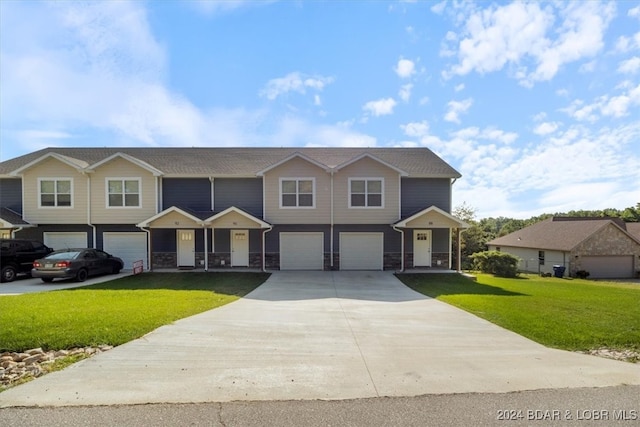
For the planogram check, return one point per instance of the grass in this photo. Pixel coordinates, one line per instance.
(569, 314)
(117, 311)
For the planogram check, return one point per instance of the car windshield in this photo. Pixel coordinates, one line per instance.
(63, 255)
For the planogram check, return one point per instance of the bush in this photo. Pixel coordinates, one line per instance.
(496, 263)
(582, 274)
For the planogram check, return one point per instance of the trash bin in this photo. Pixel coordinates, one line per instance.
(558, 271)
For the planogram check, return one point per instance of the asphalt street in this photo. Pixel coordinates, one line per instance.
(606, 406)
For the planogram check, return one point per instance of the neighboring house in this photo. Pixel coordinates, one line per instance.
(270, 208)
(605, 247)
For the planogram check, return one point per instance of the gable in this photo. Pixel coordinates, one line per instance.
(609, 240)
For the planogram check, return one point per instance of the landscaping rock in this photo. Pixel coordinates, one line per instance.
(15, 367)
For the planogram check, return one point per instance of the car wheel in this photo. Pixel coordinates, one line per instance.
(82, 275)
(8, 273)
(47, 279)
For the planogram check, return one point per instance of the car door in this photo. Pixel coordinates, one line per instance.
(91, 262)
(103, 261)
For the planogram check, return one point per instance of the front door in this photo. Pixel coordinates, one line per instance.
(239, 248)
(422, 248)
(186, 248)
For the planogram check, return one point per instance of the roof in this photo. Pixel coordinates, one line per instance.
(248, 161)
(633, 228)
(557, 233)
(11, 218)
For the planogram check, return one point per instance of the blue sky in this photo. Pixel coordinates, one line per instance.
(536, 104)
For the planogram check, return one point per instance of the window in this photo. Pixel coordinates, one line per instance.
(55, 192)
(123, 193)
(366, 193)
(541, 257)
(297, 193)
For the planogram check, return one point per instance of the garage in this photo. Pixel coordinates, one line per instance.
(608, 267)
(65, 239)
(130, 247)
(302, 251)
(361, 251)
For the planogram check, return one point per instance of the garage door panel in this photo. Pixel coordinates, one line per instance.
(130, 247)
(302, 251)
(361, 251)
(65, 239)
(608, 267)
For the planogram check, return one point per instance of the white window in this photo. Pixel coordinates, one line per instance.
(55, 192)
(366, 192)
(123, 192)
(297, 193)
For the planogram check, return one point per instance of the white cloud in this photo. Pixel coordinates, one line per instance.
(606, 105)
(525, 36)
(380, 107)
(416, 129)
(630, 66)
(634, 12)
(405, 92)
(546, 128)
(294, 82)
(548, 175)
(405, 68)
(438, 8)
(455, 108)
(459, 87)
(215, 7)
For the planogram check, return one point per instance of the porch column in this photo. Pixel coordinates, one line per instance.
(459, 261)
(206, 247)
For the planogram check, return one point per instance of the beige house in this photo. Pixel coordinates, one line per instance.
(604, 247)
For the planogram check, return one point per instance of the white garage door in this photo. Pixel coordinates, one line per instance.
(130, 247)
(302, 251)
(608, 267)
(65, 239)
(361, 251)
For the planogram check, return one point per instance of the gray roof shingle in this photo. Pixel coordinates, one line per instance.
(558, 233)
(417, 162)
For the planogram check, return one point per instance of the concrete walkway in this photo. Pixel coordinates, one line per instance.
(320, 335)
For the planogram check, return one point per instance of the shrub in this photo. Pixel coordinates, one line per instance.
(496, 263)
(582, 274)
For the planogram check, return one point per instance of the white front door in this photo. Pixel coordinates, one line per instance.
(239, 248)
(422, 248)
(186, 248)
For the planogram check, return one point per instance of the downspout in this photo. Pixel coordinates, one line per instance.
(206, 246)
(401, 247)
(264, 248)
(94, 236)
(213, 194)
(15, 230)
(148, 246)
(331, 226)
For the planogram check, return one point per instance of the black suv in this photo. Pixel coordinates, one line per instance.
(17, 256)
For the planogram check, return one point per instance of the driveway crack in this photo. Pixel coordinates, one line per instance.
(355, 338)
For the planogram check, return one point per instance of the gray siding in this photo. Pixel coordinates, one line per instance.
(421, 193)
(243, 193)
(439, 239)
(391, 237)
(37, 232)
(272, 239)
(114, 227)
(11, 194)
(192, 193)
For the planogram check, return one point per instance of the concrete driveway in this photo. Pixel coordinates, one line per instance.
(320, 335)
(28, 285)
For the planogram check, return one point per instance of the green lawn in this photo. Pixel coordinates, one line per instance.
(117, 311)
(570, 314)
